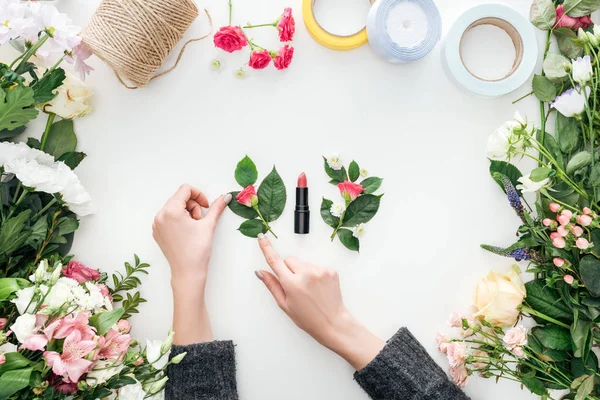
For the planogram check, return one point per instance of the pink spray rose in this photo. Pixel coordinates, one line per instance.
(569, 279)
(564, 21)
(455, 320)
(247, 197)
(259, 59)
(350, 190)
(554, 207)
(442, 342)
(79, 272)
(286, 26)
(230, 38)
(515, 337)
(457, 354)
(459, 376)
(124, 326)
(3, 322)
(284, 57)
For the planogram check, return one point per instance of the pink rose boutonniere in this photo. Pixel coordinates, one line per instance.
(349, 217)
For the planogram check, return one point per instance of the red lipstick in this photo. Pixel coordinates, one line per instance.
(302, 211)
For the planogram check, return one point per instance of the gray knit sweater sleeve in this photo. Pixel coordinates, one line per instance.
(403, 370)
(206, 373)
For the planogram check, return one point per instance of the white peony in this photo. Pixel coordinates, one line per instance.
(24, 327)
(572, 102)
(359, 231)
(102, 371)
(337, 209)
(132, 392)
(335, 162)
(23, 301)
(8, 348)
(154, 356)
(72, 99)
(582, 70)
(529, 186)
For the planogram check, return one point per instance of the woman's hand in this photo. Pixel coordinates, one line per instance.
(185, 238)
(311, 297)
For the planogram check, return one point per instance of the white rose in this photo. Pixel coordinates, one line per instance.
(337, 209)
(153, 355)
(8, 348)
(582, 70)
(335, 162)
(102, 371)
(572, 102)
(507, 140)
(24, 327)
(72, 99)
(23, 301)
(498, 297)
(132, 392)
(529, 186)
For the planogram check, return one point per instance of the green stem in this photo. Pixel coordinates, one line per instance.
(230, 10)
(49, 123)
(19, 200)
(531, 311)
(265, 223)
(257, 26)
(335, 231)
(542, 104)
(31, 51)
(522, 97)
(46, 207)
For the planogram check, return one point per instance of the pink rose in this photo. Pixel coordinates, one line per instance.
(79, 272)
(284, 57)
(554, 207)
(569, 279)
(457, 354)
(459, 375)
(286, 26)
(515, 337)
(259, 59)
(584, 220)
(230, 38)
(582, 243)
(3, 322)
(455, 320)
(247, 197)
(350, 190)
(442, 342)
(2, 358)
(564, 21)
(124, 326)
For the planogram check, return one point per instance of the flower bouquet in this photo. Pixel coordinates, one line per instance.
(60, 335)
(559, 235)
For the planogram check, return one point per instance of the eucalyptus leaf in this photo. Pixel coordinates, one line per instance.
(579, 8)
(240, 209)
(361, 210)
(566, 133)
(347, 238)
(589, 268)
(542, 14)
(252, 228)
(543, 88)
(353, 171)
(326, 213)
(555, 66)
(578, 161)
(566, 45)
(371, 184)
(272, 196)
(61, 138)
(246, 173)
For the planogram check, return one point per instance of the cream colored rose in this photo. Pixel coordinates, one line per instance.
(498, 296)
(72, 99)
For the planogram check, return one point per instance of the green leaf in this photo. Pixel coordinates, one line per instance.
(347, 238)
(543, 88)
(44, 88)
(33, 143)
(245, 172)
(12, 234)
(13, 381)
(553, 148)
(72, 158)
(534, 385)
(586, 388)
(13, 361)
(67, 225)
(553, 337)
(353, 171)
(337, 176)
(547, 301)
(15, 107)
(554, 66)
(543, 14)
(581, 334)
(504, 168)
(271, 196)
(240, 209)
(120, 381)
(589, 268)
(6, 134)
(566, 45)
(326, 213)
(566, 133)
(578, 161)
(578, 368)
(595, 236)
(361, 210)
(10, 285)
(105, 320)
(579, 8)
(541, 173)
(252, 228)
(595, 177)
(371, 184)
(61, 138)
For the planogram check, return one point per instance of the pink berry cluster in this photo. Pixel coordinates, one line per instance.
(568, 228)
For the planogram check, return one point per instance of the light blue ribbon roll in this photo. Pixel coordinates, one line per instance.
(382, 43)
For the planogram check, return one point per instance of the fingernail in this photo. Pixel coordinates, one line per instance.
(261, 236)
(259, 275)
(227, 198)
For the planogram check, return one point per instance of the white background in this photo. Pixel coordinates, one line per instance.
(406, 123)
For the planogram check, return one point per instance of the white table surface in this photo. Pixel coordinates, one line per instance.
(406, 123)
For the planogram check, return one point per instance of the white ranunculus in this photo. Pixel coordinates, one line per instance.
(337, 209)
(72, 99)
(582, 70)
(132, 392)
(24, 327)
(572, 102)
(529, 186)
(23, 300)
(153, 354)
(359, 231)
(335, 162)
(8, 348)
(102, 371)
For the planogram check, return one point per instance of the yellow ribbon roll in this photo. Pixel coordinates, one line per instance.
(327, 39)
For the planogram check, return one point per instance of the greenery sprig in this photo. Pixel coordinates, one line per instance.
(123, 284)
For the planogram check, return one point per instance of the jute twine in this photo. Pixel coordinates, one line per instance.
(134, 37)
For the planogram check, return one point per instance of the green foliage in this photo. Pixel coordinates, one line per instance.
(16, 107)
(347, 238)
(252, 228)
(329, 219)
(13, 381)
(499, 168)
(61, 138)
(240, 209)
(337, 176)
(589, 268)
(272, 196)
(547, 301)
(567, 133)
(371, 184)
(105, 320)
(553, 337)
(543, 14)
(554, 66)
(245, 172)
(353, 171)
(10, 285)
(579, 8)
(72, 158)
(125, 283)
(361, 210)
(543, 88)
(45, 87)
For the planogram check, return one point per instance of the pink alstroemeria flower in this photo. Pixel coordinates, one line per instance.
(62, 328)
(71, 364)
(113, 346)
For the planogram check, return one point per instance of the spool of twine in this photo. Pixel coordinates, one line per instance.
(134, 37)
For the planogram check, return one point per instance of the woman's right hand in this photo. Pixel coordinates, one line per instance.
(312, 298)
